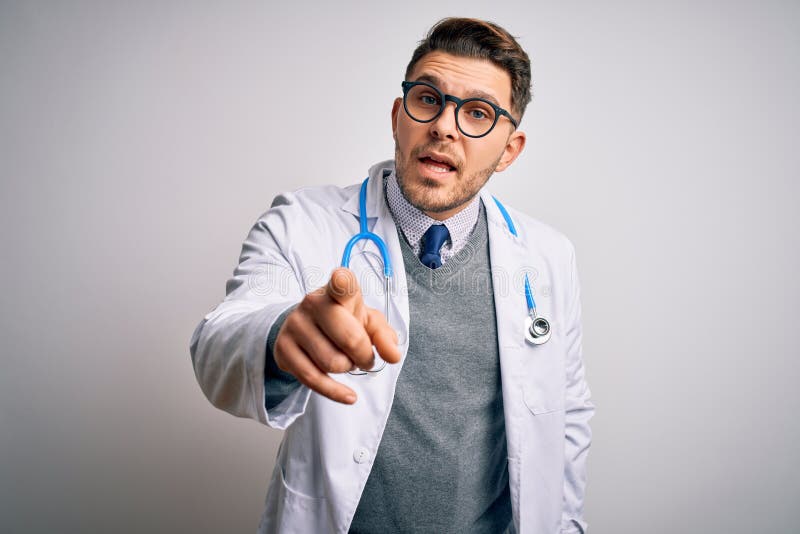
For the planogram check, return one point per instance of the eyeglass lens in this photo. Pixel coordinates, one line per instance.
(474, 117)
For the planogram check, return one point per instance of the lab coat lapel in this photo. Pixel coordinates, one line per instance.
(508, 257)
(509, 260)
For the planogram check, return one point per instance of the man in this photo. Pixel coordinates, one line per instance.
(465, 422)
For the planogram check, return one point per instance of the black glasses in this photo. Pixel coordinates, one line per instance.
(475, 117)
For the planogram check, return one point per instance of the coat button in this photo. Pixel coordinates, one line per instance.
(361, 455)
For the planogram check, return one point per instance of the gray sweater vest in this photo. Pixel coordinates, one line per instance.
(441, 465)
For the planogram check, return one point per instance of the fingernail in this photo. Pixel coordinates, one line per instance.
(350, 399)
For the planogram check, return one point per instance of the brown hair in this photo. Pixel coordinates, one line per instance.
(481, 39)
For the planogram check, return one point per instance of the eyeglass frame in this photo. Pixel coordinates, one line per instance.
(498, 111)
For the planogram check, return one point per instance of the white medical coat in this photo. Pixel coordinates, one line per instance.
(328, 448)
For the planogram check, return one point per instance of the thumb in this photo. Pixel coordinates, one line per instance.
(344, 289)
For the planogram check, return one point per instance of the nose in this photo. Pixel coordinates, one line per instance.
(444, 126)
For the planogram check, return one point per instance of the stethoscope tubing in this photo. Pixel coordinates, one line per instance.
(537, 328)
(364, 233)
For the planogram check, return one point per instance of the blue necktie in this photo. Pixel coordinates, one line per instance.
(432, 241)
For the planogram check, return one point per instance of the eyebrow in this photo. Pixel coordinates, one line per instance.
(475, 93)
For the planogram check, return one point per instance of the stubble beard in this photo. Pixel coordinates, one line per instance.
(426, 195)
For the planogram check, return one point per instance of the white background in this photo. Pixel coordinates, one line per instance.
(139, 142)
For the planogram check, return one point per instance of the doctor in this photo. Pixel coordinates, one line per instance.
(461, 423)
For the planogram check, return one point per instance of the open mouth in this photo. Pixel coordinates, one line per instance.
(436, 165)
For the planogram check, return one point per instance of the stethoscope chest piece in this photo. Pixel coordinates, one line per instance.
(537, 329)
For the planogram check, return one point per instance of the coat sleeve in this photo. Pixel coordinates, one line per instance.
(229, 345)
(579, 409)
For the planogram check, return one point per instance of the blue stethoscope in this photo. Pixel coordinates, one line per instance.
(537, 328)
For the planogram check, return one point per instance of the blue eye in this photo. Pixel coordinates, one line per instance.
(429, 100)
(477, 111)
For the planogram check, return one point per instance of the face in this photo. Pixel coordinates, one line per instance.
(439, 169)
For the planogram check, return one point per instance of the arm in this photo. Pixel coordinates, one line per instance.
(278, 384)
(267, 331)
(579, 409)
(229, 345)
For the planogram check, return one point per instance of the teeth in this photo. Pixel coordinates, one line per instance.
(436, 165)
(437, 168)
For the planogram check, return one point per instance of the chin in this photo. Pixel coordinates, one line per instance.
(429, 199)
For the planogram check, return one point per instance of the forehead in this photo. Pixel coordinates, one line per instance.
(465, 76)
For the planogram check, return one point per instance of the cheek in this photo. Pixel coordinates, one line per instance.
(404, 136)
(481, 155)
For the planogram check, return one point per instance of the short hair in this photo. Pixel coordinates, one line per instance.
(481, 39)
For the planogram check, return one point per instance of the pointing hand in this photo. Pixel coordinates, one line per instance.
(333, 331)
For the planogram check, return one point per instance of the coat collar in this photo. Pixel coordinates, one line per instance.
(510, 256)
(376, 201)
(378, 207)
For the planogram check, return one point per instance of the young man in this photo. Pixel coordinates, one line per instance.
(471, 419)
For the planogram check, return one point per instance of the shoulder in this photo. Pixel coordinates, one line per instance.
(310, 204)
(311, 211)
(327, 196)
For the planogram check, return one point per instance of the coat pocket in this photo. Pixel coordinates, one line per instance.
(540, 403)
(543, 388)
(299, 513)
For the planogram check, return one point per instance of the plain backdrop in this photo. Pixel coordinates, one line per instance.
(139, 141)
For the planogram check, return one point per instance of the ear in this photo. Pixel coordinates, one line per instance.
(398, 103)
(513, 148)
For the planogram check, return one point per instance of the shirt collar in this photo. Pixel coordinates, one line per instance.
(414, 223)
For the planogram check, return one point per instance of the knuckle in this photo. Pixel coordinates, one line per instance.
(365, 360)
(289, 324)
(322, 353)
(279, 361)
(308, 303)
(324, 359)
(283, 365)
(279, 351)
(340, 364)
(351, 341)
